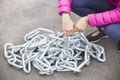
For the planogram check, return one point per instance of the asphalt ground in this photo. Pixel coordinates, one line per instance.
(18, 17)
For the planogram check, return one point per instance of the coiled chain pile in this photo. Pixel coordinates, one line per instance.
(50, 51)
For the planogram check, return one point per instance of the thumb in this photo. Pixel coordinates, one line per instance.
(75, 28)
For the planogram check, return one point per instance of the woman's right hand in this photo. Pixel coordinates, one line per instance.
(67, 24)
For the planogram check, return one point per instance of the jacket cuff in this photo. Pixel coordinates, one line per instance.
(64, 9)
(91, 20)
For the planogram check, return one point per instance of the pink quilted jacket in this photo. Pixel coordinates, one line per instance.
(98, 19)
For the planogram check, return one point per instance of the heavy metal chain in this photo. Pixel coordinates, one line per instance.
(50, 51)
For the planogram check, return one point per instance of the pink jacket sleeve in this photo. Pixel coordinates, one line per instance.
(105, 18)
(64, 6)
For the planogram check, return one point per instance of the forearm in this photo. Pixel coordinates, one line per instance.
(104, 18)
(65, 15)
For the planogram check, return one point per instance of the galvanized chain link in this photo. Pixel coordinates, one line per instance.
(48, 52)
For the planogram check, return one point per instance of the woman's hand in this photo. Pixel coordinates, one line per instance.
(67, 24)
(81, 25)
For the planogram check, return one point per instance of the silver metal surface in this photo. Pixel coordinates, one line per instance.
(48, 52)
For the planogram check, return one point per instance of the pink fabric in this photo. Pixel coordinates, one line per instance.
(98, 19)
(64, 6)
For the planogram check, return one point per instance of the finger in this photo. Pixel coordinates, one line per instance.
(76, 29)
(71, 31)
(64, 32)
(67, 33)
(79, 27)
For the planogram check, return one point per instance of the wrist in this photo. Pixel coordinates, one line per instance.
(86, 19)
(65, 15)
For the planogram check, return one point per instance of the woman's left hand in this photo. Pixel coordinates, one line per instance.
(81, 25)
